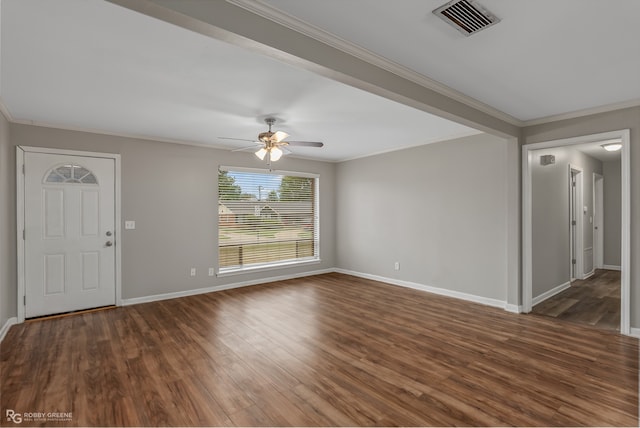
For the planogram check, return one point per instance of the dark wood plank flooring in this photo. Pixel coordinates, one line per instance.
(329, 350)
(594, 301)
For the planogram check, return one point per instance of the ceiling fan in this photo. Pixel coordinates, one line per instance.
(272, 144)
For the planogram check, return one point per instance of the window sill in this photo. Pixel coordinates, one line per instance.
(271, 266)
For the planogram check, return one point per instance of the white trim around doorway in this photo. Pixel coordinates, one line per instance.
(20, 207)
(598, 220)
(625, 277)
(576, 234)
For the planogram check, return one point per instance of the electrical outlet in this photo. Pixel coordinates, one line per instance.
(211, 272)
(130, 224)
(193, 271)
(396, 266)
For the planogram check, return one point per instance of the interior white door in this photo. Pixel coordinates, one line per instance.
(69, 233)
(598, 221)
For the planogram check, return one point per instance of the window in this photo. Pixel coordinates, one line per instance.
(71, 174)
(266, 219)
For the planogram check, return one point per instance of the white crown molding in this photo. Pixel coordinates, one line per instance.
(5, 111)
(146, 137)
(584, 112)
(115, 134)
(216, 147)
(271, 13)
(411, 146)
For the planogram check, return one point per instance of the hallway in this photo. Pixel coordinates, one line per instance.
(594, 301)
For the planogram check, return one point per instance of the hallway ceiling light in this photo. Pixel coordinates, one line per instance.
(612, 145)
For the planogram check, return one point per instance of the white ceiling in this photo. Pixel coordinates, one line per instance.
(93, 65)
(596, 151)
(545, 57)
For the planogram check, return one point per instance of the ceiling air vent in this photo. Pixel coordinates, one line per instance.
(466, 16)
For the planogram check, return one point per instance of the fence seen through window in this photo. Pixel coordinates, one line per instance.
(265, 219)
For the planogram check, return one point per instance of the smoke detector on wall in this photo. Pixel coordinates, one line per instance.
(466, 16)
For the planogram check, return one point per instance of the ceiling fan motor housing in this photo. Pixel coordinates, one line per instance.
(265, 137)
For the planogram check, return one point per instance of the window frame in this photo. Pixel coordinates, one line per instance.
(260, 267)
(70, 180)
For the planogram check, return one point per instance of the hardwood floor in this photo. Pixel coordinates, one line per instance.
(319, 351)
(594, 301)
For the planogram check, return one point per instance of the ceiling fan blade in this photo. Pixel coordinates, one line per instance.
(304, 143)
(279, 136)
(237, 139)
(254, 147)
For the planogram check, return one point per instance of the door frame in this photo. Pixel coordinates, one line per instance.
(598, 221)
(625, 265)
(576, 251)
(20, 212)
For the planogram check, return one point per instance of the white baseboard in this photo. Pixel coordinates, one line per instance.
(516, 309)
(435, 290)
(176, 294)
(547, 294)
(7, 325)
(611, 267)
(588, 275)
(635, 332)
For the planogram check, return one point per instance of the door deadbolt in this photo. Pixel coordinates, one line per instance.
(109, 233)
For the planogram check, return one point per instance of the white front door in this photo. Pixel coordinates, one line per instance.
(69, 233)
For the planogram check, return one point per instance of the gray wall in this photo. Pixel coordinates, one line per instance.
(7, 224)
(169, 190)
(612, 214)
(628, 118)
(551, 250)
(440, 210)
(482, 166)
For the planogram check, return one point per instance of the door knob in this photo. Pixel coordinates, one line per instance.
(109, 244)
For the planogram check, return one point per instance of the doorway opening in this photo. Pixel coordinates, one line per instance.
(576, 237)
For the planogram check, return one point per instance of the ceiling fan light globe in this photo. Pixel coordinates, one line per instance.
(261, 153)
(276, 154)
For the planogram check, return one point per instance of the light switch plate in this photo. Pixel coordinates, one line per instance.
(129, 224)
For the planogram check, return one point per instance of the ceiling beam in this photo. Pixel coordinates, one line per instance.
(238, 26)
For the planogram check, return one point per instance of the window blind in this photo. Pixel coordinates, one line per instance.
(266, 219)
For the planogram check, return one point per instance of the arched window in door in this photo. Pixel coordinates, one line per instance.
(70, 173)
